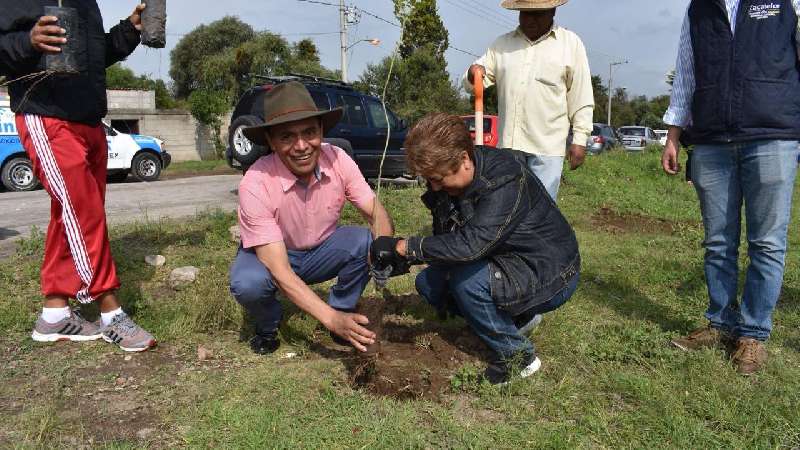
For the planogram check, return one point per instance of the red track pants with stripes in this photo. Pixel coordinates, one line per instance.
(70, 160)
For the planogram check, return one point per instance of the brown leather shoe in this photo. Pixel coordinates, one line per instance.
(750, 356)
(707, 337)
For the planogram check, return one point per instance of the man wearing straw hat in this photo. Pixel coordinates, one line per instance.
(290, 202)
(544, 88)
(58, 121)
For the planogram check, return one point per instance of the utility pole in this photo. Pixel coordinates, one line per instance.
(343, 38)
(610, 85)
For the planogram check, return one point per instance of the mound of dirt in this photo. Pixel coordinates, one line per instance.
(416, 359)
(618, 223)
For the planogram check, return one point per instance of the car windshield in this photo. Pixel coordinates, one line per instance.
(596, 131)
(661, 133)
(632, 131)
(470, 122)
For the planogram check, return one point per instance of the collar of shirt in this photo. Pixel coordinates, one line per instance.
(288, 179)
(550, 33)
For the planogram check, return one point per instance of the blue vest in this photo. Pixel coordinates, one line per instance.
(747, 83)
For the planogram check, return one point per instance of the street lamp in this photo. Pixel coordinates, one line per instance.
(610, 85)
(373, 41)
(346, 48)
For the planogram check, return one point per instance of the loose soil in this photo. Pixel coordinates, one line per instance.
(417, 358)
(619, 223)
(101, 398)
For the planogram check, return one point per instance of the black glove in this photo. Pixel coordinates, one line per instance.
(383, 253)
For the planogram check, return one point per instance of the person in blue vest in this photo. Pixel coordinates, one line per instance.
(736, 99)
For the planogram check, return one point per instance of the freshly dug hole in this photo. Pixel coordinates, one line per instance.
(417, 358)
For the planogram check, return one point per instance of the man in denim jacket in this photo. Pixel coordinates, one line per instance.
(501, 249)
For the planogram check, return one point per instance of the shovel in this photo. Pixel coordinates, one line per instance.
(477, 77)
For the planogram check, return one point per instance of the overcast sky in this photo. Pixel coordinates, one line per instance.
(643, 32)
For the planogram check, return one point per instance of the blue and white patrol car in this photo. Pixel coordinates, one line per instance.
(142, 156)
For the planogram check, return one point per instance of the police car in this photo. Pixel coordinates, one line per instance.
(142, 156)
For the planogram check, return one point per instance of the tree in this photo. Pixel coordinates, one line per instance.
(638, 110)
(420, 83)
(600, 99)
(417, 86)
(121, 77)
(191, 53)
(306, 50)
(214, 64)
(422, 27)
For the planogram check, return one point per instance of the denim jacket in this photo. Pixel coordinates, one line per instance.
(506, 217)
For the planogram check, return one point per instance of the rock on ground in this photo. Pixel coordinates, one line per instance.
(183, 276)
(155, 260)
(236, 234)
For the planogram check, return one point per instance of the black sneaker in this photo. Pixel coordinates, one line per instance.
(498, 372)
(265, 344)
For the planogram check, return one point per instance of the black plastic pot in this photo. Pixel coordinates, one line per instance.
(72, 58)
(154, 23)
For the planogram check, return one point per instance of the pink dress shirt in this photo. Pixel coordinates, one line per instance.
(275, 206)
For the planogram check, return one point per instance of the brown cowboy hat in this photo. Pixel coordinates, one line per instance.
(290, 102)
(530, 5)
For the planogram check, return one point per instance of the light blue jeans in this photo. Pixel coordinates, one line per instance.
(759, 175)
(548, 170)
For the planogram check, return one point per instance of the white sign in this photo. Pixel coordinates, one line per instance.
(7, 125)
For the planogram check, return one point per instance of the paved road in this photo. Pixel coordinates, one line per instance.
(125, 202)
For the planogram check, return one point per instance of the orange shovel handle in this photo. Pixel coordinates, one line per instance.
(477, 83)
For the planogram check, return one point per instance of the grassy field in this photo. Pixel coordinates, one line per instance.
(195, 168)
(609, 380)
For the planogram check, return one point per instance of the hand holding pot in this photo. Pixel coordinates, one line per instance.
(136, 16)
(47, 36)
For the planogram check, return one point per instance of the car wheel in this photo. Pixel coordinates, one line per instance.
(242, 149)
(146, 167)
(117, 176)
(17, 175)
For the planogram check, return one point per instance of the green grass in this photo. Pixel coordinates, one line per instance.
(192, 168)
(609, 378)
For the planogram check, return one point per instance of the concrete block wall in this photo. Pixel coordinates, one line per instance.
(184, 138)
(131, 99)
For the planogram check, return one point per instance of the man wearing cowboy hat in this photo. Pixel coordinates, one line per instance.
(290, 202)
(544, 88)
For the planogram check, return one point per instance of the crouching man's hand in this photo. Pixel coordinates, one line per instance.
(349, 326)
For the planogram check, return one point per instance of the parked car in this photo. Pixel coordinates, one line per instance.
(603, 138)
(662, 136)
(491, 134)
(143, 156)
(636, 138)
(361, 132)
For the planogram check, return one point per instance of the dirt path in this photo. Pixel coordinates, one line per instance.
(125, 202)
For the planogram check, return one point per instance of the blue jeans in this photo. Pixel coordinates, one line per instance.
(469, 286)
(342, 255)
(761, 176)
(548, 170)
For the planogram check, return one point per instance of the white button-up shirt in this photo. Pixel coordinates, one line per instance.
(543, 87)
(679, 113)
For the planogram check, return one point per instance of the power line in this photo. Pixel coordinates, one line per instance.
(486, 14)
(318, 2)
(394, 24)
(493, 12)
